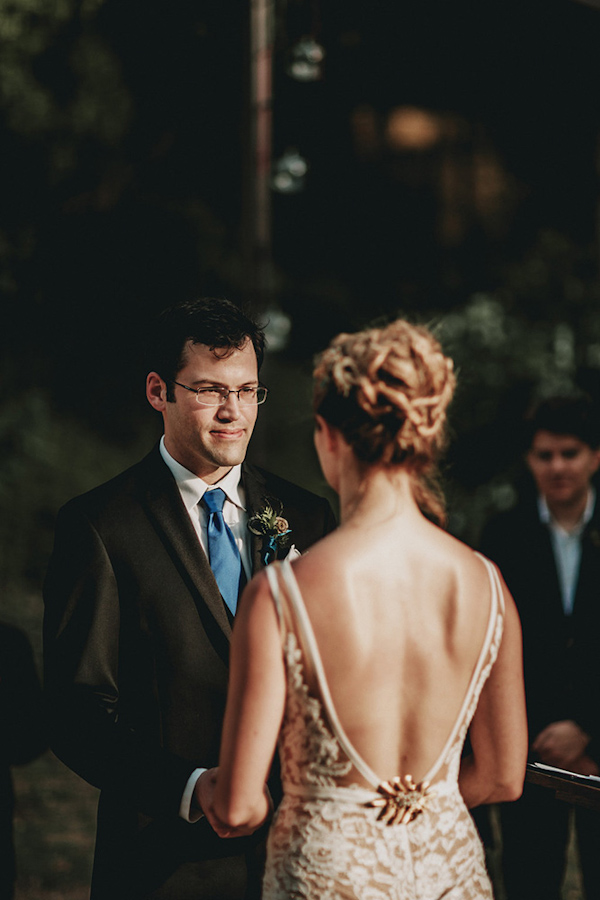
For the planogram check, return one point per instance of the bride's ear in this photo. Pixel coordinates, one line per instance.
(327, 433)
(327, 441)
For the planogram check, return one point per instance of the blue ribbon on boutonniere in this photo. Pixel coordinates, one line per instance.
(273, 527)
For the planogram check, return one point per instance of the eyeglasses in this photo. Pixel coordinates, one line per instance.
(218, 396)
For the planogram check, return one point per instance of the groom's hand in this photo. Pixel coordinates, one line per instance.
(204, 790)
(204, 793)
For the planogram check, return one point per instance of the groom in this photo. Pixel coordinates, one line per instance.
(139, 597)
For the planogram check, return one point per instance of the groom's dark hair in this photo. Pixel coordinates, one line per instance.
(213, 321)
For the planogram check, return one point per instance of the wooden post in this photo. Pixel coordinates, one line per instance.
(257, 219)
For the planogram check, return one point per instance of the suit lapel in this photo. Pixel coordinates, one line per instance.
(537, 545)
(169, 516)
(256, 497)
(165, 508)
(548, 561)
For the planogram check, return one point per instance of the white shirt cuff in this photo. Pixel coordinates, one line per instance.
(185, 808)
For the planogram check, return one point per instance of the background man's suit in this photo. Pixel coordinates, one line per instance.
(562, 681)
(136, 655)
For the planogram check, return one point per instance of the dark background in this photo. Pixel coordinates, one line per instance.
(453, 177)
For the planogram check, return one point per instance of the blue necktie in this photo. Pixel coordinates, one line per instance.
(223, 553)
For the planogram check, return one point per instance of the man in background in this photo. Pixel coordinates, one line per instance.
(140, 596)
(548, 549)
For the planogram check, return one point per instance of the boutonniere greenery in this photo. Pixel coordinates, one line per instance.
(273, 527)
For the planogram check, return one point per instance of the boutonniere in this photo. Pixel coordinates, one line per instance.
(274, 528)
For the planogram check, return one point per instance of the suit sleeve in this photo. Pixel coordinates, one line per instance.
(89, 729)
(584, 695)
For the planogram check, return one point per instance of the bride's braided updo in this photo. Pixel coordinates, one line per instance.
(387, 391)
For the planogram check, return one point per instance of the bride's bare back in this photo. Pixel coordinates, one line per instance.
(400, 612)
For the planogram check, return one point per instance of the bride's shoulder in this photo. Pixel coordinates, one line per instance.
(461, 562)
(323, 562)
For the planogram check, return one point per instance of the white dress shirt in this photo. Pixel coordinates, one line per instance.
(192, 489)
(566, 546)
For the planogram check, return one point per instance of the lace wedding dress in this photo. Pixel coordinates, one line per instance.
(329, 840)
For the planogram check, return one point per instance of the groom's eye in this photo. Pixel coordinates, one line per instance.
(211, 393)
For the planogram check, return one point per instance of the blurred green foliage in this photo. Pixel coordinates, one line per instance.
(40, 38)
(536, 334)
(47, 459)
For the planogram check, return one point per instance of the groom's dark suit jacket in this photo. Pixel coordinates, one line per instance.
(561, 653)
(136, 658)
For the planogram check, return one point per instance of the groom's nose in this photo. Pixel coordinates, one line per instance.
(230, 409)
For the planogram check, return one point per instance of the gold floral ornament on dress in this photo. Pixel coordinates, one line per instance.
(272, 526)
(402, 800)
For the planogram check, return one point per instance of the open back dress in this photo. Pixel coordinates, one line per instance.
(398, 841)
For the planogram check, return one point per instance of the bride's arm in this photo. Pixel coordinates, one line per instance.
(234, 797)
(495, 770)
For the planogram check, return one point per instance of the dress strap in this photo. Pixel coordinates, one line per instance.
(311, 647)
(496, 602)
(276, 595)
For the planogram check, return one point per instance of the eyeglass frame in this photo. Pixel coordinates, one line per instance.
(224, 392)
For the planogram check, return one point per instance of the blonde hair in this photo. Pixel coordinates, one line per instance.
(387, 390)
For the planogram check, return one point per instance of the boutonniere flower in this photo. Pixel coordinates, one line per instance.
(274, 528)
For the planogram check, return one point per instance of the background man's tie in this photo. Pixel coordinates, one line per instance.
(223, 554)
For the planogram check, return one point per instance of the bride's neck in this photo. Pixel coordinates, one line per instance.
(374, 494)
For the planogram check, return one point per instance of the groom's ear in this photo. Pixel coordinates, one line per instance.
(156, 391)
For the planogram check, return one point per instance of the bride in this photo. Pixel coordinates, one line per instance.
(368, 658)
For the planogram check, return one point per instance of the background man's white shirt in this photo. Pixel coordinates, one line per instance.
(566, 546)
